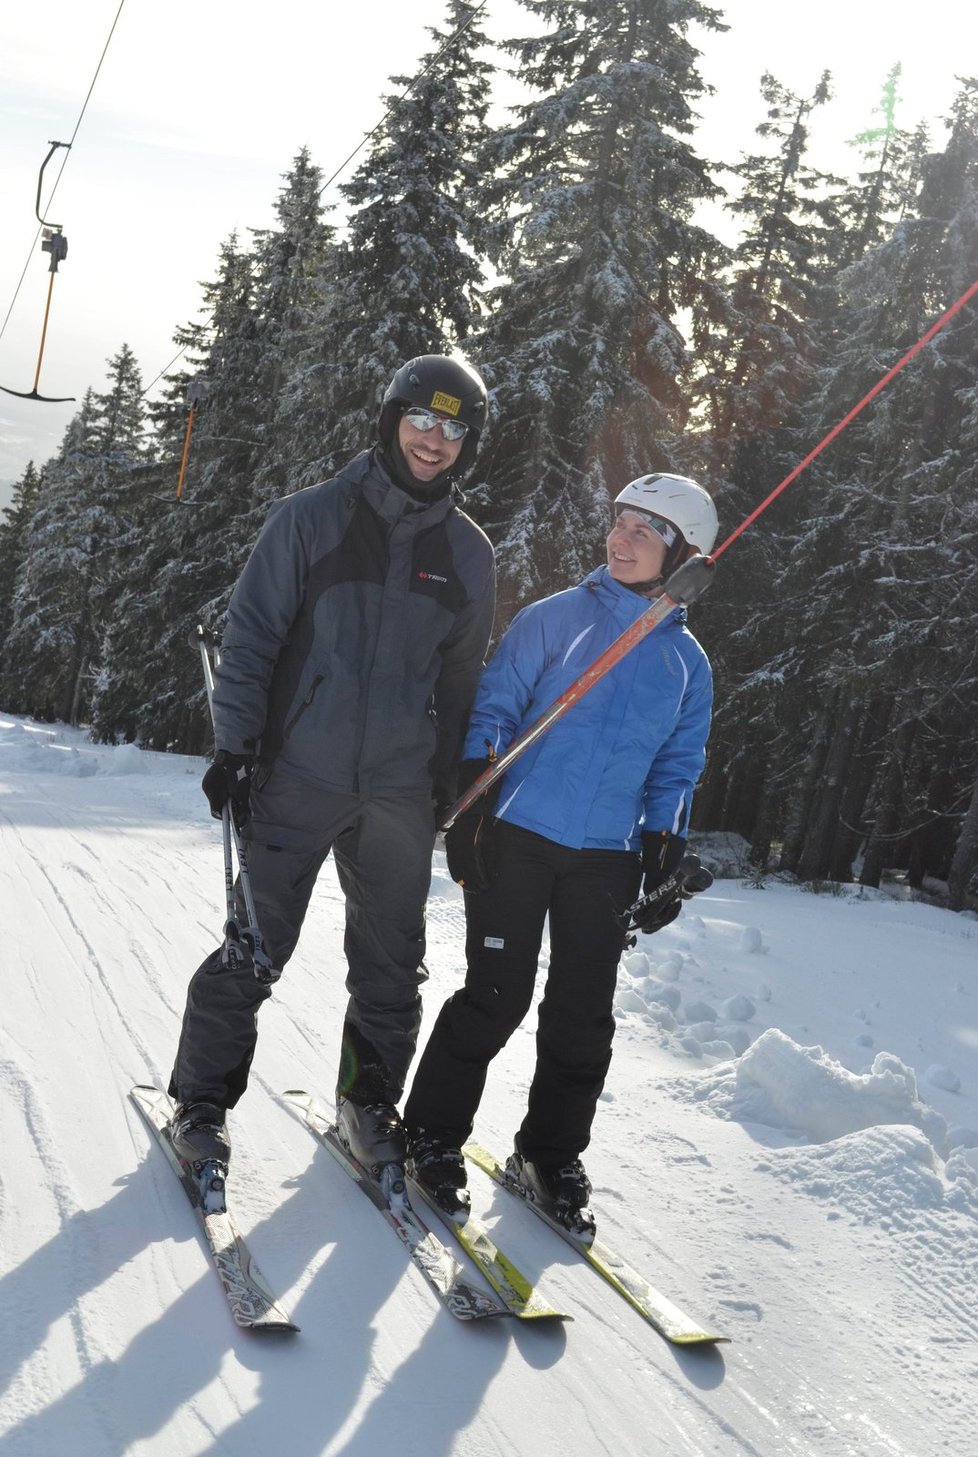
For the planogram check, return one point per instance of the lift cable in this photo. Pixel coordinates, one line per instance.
(61, 169)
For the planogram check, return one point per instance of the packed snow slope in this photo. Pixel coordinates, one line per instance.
(787, 1146)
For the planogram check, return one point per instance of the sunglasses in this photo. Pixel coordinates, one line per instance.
(425, 420)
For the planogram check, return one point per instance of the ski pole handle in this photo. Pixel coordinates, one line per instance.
(686, 584)
(689, 877)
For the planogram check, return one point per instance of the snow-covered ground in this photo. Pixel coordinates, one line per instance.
(787, 1145)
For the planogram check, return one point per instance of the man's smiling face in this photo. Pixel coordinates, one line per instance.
(427, 452)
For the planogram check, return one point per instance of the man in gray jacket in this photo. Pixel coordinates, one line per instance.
(354, 642)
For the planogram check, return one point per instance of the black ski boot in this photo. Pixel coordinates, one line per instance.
(560, 1190)
(373, 1132)
(198, 1133)
(200, 1140)
(367, 1120)
(438, 1166)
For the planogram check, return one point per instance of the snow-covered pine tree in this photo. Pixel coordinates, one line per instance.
(590, 193)
(242, 358)
(192, 549)
(13, 542)
(407, 277)
(294, 266)
(760, 363)
(71, 580)
(41, 643)
(888, 181)
(755, 363)
(918, 519)
(876, 677)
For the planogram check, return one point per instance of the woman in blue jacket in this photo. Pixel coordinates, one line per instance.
(603, 796)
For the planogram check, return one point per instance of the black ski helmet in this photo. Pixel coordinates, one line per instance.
(436, 382)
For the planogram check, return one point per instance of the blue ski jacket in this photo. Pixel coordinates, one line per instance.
(626, 757)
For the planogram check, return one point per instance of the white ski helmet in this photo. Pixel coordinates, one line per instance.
(678, 501)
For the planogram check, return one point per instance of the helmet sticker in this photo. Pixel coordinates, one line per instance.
(448, 404)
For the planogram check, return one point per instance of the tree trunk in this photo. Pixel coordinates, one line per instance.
(799, 806)
(823, 824)
(859, 782)
(888, 808)
(964, 862)
(765, 823)
(76, 696)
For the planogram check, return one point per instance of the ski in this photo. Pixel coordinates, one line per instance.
(671, 1322)
(509, 1283)
(252, 1304)
(430, 1254)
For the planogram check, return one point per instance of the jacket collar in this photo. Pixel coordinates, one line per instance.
(366, 473)
(621, 601)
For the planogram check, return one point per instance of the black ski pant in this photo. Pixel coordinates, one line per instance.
(382, 848)
(581, 891)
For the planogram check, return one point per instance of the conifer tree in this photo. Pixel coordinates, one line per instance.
(407, 279)
(191, 549)
(13, 542)
(48, 602)
(877, 679)
(762, 357)
(756, 361)
(590, 195)
(293, 265)
(887, 184)
(70, 581)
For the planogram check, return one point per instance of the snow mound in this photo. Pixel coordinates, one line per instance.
(879, 1172)
(28, 748)
(803, 1091)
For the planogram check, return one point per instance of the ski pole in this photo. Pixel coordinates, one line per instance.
(236, 936)
(689, 877)
(677, 591)
(686, 584)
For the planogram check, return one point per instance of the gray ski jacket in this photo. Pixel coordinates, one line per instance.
(356, 635)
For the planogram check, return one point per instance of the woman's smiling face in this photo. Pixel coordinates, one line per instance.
(636, 551)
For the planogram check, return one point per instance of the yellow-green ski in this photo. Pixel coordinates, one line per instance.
(509, 1283)
(667, 1318)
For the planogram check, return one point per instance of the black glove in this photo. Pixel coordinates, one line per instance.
(228, 782)
(470, 843)
(662, 853)
(442, 800)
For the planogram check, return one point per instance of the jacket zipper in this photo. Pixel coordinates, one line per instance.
(303, 705)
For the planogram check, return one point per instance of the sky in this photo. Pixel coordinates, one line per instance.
(786, 1146)
(198, 110)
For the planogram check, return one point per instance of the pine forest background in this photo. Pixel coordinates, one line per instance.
(565, 253)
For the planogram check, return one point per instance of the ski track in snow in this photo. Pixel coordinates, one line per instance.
(811, 1204)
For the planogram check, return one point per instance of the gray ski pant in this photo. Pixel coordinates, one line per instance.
(382, 849)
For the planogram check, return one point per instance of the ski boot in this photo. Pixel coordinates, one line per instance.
(561, 1191)
(373, 1133)
(438, 1166)
(200, 1140)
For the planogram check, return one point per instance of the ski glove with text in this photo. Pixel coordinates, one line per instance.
(470, 844)
(228, 782)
